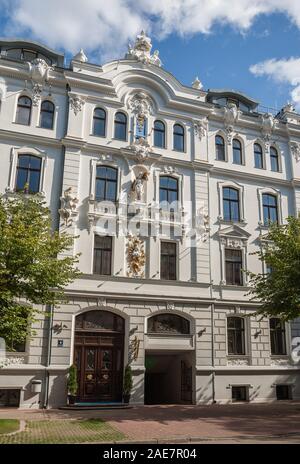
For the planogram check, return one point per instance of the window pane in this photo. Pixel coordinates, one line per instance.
(100, 189)
(35, 162)
(34, 181)
(274, 159)
(110, 191)
(159, 134)
(23, 115)
(237, 152)
(178, 136)
(99, 127)
(21, 179)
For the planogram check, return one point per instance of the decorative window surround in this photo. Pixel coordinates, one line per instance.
(15, 152)
(262, 145)
(243, 153)
(233, 237)
(279, 153)
(278, 195)
(103, 160)
(224, 136)
(239, 359)
(55, 114)
(241, 191)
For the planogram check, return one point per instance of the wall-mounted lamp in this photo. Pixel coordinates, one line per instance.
(201, 332)
(257, 333)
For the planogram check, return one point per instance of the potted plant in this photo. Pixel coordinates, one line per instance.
(127, 384)
(72, 384)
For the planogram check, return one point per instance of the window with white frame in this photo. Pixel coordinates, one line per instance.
(236, 335)
(220, 148)
(258, 156)
(237, 155)
(231, 204)
(233, 266)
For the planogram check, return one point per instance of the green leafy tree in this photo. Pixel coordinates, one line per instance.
(278, 291)
(32, 271)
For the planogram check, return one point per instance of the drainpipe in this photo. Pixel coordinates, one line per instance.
(47, 380)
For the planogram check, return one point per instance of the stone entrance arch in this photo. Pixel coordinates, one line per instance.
(99, 356)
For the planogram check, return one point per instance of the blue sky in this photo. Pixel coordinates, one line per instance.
(246, 45)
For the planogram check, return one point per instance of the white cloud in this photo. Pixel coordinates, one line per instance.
(105, 26)
(285, 71)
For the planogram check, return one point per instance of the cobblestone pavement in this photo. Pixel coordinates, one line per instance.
(64, 431)
(276, 421)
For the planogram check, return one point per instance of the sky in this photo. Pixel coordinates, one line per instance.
(252, 46)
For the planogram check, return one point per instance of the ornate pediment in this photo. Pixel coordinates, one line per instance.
(233, 236)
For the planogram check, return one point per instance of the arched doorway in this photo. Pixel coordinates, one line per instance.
(98, 355)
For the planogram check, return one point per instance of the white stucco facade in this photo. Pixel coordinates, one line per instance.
(70, 154)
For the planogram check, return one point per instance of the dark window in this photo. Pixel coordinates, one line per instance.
(102, 255)
(47, 114)
(239, 393)
(159, 134)
(258, 156)
(270, 210)
(168, 323)
(277, 336)
(284, 392)
(99, 122)
(168, 190)
(168, 260)
(274, 159)
(28, 174)
(120, 126)
(220, 148)
(233, 267)
(24, 111)
(231, 204)
(178, 138)
(106, 183)
(236, 335)
(237, 152)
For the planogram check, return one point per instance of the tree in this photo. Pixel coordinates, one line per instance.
(32, 269)
(278, 290)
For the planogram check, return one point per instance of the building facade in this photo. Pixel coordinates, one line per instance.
(169, 190)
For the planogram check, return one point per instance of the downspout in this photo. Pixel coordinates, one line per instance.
(46, 400)
(212, 306)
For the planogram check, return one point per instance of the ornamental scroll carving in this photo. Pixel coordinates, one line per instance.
(136, 257)
(268, 125)
(231, 116)
(141, 149)
(141, 106)
(141, 51)
(295, 150)
(39, 72)
(76, 103)
(200, 127)
(69, 204)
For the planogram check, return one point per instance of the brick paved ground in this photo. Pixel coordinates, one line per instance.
(249, 421)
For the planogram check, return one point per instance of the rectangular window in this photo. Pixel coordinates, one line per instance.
(277, 336)
(283, 392)
(233, 267)
(168, 260)
(239, 393)
(236, 335)
(102, 255)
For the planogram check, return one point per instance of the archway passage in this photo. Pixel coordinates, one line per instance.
(99, 354)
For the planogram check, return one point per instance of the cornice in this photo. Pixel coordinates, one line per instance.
(29, 138)
(249, 176)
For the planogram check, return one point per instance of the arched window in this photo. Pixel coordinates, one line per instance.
(237, 152)
(24, 111)
(159, 134)
(220, 148)
(99, 122)
(168, 190)
(99, 321)
(47, 114)
(236, 335)
(28, 173)
(168, 323)
(274, 159)
(231, 204)
(258, 156)
(106, 183)
(270, 208)
(277, 336)
(120, 126)
(178, 137)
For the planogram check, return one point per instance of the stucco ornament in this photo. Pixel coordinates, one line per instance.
(39, 72)
(141, 149)
(80, 56)
(268, 124)
(200, 127)
(197, 84)
(202, 223)
(295, 150)
(69, 204)
(135, 257)
(141, 106)
(138, 185)
(231, 116)
(76, 103)
(141, 51)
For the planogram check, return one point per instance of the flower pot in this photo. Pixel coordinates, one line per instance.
(126, 398)
(71, 399)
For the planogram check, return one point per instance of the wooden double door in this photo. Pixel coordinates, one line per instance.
(100, 368)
